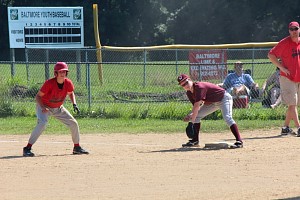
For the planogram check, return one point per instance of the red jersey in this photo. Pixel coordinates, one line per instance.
(207, 92)
(54, 97)
(288, 51)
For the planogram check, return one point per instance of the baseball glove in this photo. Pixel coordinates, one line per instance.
(190, 131)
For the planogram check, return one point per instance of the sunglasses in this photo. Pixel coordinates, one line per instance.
(185, 83)
(293, 29)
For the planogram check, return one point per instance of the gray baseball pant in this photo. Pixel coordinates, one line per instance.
(225, 105)
(62, 114)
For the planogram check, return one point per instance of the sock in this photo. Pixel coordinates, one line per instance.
(235, 131)
(76, 145)
(197, 131)
(29, 146)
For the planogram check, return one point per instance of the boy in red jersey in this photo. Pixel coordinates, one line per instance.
(50, 99)
(288, 51)
(206, 99)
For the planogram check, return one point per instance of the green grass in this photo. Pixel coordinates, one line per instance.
(127, 111)
(24, 125)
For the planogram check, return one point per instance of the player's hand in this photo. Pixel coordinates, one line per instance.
(76, 109)
(187, 118)
(285, 70)
(44, 109)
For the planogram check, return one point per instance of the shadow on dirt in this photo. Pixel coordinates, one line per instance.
(187, 149)
(10, 157)
(215, 148)
(291, 198)
(36, 156)
(263, 137)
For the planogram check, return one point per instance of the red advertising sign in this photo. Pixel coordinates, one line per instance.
(208, 64)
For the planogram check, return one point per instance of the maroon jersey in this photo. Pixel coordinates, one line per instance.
(207, 92)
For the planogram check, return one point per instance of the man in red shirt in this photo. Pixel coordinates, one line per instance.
(288, 51)
(50, 99)
(206, 99)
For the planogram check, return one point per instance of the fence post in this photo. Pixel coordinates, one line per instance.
(86, 71)
(200, 72)
(78, 69)
(27, 64)
(176, 57)
(145, 60)
(88, 79)
(253, 52)
(13, 59)
(223, 66)
(47, 75)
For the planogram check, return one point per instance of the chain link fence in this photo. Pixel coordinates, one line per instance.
(128, 76)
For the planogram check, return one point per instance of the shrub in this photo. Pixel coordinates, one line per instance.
(6, 108)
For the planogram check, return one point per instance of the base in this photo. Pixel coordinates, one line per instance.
(218, 145)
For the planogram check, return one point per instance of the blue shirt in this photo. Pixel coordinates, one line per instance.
(233, 80)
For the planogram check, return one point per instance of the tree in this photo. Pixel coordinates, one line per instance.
(159, 22)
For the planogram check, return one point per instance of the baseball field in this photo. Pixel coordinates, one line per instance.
(151, 166)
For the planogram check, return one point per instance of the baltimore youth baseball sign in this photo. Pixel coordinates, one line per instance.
(46, 27)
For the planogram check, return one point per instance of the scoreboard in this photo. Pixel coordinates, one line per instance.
(46, 27)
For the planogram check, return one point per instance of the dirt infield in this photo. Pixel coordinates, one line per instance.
(151, 166)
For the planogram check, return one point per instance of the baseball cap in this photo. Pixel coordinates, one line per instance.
(296, 24)
(182, 77)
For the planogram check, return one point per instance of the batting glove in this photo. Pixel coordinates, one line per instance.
(76, 109)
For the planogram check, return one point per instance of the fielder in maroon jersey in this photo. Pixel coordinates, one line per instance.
(206, 99)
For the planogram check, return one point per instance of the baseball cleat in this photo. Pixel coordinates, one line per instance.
(79, 150)
(191, 144)
(298, 133)
(27, 152)
(237, 144)
(286, 130)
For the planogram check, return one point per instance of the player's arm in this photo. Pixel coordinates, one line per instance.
(278, 64)
(249, 82)
(226, 84)
(72, 97)
(196, 107)
(39, 101)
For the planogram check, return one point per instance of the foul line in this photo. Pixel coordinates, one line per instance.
(97, 143)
